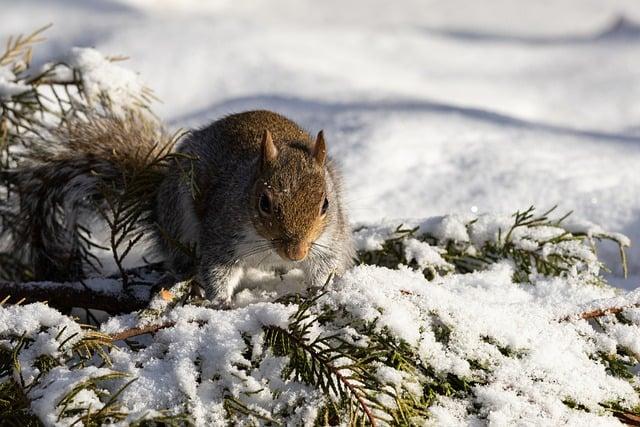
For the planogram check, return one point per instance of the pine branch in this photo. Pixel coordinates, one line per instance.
(69, 295)
(557, 254)
(21, 46)
(614, 306)
(320, 358)
(603, 312)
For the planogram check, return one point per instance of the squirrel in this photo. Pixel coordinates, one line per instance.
(251, 189)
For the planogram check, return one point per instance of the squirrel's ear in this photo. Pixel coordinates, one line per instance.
(269, 150)
(320, 149)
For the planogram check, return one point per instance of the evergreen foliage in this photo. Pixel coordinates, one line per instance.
(537, 245)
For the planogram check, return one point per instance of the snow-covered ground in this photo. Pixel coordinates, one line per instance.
(432, 107)
(525, 351)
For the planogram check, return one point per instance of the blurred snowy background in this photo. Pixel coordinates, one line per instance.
(431, 107)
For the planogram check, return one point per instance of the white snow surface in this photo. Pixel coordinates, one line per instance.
(431, 107)
(100, 75)
(483, 305)
(535, 351)
(8, 85)
(209, 354)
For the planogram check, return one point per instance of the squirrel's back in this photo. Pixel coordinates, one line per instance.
(241, 133)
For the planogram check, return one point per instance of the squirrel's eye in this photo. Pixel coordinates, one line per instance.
(325, 206)
(264, 204)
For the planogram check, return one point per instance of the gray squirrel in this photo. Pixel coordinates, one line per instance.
(266, 196)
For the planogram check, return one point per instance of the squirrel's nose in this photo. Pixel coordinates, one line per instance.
(296, 251)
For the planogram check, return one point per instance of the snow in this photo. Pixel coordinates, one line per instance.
(474, 108)
(423, 253)
(523, 347)
(215, 339)
(555, 358)
(30, 321)
(205, 355)
(101, 75)
(61, 382)
(8, 85)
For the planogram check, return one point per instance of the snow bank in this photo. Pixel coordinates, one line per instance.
(467, 347)
(547, 362)
(421, 96)
(99, 76)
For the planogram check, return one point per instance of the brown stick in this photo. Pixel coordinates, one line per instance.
(603, 312)
(69, 295)
(592, 314)
(627, 418)
(134, 332)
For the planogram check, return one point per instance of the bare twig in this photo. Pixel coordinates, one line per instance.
(592, 314)
(134, 332)
(606, 307)
(627, 418)
(142, 330)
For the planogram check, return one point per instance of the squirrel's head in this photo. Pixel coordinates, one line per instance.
(289, 201)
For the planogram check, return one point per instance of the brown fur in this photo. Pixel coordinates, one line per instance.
(247, 129)
(203, 197)
(292, 173)
(61, 179)
(130, 141)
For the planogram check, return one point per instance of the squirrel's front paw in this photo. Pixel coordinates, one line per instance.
(217, 301)
(219, 284)
(221, 303)
(215, 304)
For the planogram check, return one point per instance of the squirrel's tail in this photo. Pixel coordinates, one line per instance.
(100, 168)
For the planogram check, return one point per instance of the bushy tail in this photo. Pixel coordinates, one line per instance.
(107, 168)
